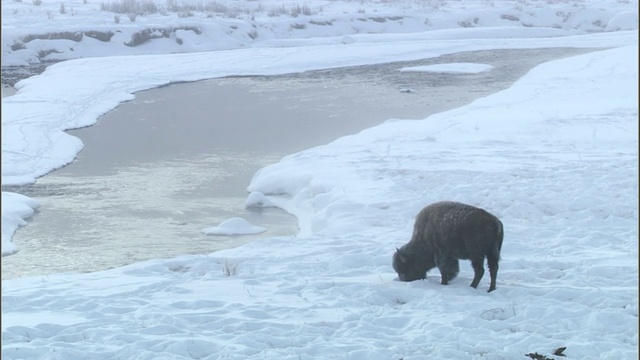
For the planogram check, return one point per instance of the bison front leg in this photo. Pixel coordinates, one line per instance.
(478, 270)
(449, 268)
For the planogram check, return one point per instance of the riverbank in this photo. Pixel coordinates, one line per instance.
(176, 159)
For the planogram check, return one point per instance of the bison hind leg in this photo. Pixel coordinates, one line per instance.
(493, 270)
(478, 269)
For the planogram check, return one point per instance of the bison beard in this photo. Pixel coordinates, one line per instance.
(445, 232)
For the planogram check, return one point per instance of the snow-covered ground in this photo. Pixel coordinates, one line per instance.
(554, 157)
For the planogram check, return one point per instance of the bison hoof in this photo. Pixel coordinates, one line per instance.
(491, 289)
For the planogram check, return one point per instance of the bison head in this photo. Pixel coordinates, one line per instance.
(407, 267)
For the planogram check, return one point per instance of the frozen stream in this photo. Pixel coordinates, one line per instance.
(177, 159)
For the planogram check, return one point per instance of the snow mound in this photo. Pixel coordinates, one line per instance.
(258, 199)
(624, 20)
(234, 226)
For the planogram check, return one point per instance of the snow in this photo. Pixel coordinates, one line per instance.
(554, 157)
(33, 137)
(451, 68)
(15, 209)
(85, 31)
(234, 226)
(257, 199)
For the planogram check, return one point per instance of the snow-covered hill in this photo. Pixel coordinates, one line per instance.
(87, 28)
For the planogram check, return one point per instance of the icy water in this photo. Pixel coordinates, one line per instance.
(177, 159)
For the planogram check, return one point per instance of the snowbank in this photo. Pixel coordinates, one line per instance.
(80, 29)
(15, 209)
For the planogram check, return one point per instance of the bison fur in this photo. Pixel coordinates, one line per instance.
(445, 232)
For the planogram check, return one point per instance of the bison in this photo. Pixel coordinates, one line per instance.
(445, 232)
